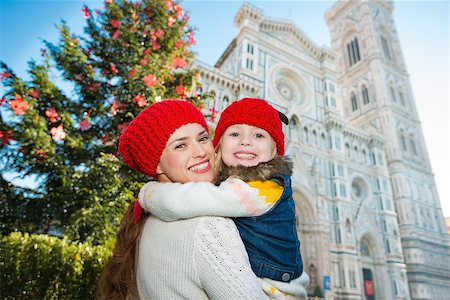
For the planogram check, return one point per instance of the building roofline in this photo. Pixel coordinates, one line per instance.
(226, 53)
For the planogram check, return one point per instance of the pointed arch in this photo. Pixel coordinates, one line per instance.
(348, 231)
(401, 96)
(294, 125)
(393, 93)
(314, 137)
(347, 149)
(365, 94)
(402, 136)
(353, 101)
(367, 246)
(365, 157)
(225, 102)
(351, 48)
(305, 137)
(412, 145)
(386, 43)
(355, 152)
(307, 213)
(323, 141)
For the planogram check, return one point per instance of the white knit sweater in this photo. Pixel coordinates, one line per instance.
(233, 198)
(198, 258)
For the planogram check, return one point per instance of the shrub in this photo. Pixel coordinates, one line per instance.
(318, 292)
(46, 267)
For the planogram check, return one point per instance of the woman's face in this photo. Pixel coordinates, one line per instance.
(188, 156)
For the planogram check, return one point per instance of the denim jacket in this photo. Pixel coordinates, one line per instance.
(271, 239)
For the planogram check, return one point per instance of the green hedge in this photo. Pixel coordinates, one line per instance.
(46, 267)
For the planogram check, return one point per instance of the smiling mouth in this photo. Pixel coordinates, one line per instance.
(201, 167)
(245, 155)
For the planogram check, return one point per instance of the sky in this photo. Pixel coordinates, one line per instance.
(423, 29)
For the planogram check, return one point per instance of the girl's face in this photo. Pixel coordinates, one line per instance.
(246, 145)
(188, 156)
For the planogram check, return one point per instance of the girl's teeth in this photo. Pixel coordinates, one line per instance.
(242, 155)
(199, 167)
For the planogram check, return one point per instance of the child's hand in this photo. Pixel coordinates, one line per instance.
(272, 292)
(145, 194)
(296, 289)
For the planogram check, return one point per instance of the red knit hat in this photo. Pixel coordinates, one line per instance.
(143, 141)
(255, 112)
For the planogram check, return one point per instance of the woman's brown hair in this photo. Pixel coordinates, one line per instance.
(118, 280)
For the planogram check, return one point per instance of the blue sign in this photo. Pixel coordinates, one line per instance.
(327, 282)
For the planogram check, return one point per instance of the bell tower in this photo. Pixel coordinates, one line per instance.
(377, 97)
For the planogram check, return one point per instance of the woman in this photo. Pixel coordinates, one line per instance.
(198, 258)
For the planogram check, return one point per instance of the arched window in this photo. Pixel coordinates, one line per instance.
(365, 95)
(314, 134)
(293, 129)
(393, 97)
(412, 143)
(403, 140)
(385, 45)
(335, 213)
(337, 141)
(249, 48)
(323, 141)
(430, 219)
(353, 55)
(353, 101)
(402, 98)
(305, 135)
(347, 149)
(364, 154)
(225, 102)
(387, 246)
(364, 248)
(348, 231)
(249, 63)
(380, 202)
(338, 235)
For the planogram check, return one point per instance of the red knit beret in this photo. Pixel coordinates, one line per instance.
(143, 141)
(255, 112)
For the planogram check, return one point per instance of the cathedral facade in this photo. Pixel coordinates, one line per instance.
(368, 212)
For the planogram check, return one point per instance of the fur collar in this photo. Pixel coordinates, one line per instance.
(263, 171)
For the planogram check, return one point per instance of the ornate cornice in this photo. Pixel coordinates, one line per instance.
(271, 25)
(248, 11)
(236, 84)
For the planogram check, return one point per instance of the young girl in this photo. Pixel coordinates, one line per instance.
(250, 142)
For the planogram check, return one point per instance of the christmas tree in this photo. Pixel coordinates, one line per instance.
(130, 55)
